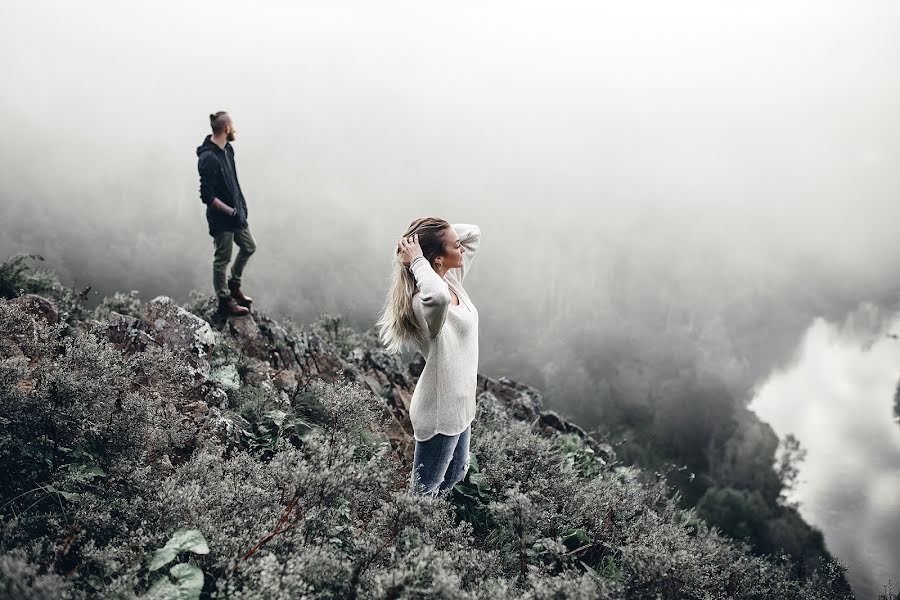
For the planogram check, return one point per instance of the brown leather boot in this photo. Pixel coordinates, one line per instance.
(229, 307)
(238, 295)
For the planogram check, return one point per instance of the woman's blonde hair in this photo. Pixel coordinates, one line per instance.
(397, 324)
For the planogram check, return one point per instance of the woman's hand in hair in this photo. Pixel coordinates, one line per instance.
(408, 248)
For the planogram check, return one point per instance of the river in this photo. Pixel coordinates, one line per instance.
(837, 397)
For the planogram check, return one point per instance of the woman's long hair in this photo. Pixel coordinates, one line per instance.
(397, 324)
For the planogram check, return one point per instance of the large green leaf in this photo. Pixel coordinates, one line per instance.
(187, 586)
(579, 535)
(67, 495)
(183, 540)
(92, 471)
(473, 463)
(277, 417)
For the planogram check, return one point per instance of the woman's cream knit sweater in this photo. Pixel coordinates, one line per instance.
(444, 398)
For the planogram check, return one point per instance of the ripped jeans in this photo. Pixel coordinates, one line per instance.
(440, 462)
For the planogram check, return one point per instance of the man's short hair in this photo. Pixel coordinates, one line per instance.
(218, 121)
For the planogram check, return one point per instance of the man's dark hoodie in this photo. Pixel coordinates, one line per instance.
(218, 179)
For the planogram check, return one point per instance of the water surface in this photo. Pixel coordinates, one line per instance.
(837, 397)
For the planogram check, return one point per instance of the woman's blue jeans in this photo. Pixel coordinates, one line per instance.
(440, 462)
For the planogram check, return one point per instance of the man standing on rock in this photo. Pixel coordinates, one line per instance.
(226, 213)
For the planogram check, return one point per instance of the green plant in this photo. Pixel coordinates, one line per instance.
(579, 455)
(472, 496)
(333, 330)
(17, 277)
(274, 428)
(184, 581)
(124, 304)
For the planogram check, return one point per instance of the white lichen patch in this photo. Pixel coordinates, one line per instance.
(226, 376)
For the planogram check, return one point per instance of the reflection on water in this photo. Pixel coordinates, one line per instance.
(838, 399)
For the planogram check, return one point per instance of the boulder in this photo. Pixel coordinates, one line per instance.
(38, 306)
(522, 402)
(167, 324)
(248, 339)
(123, 332)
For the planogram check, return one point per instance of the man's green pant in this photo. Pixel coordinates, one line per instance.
(223, 242)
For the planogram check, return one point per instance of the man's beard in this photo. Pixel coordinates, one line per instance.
(230, 136)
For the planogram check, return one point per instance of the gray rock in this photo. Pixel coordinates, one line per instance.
(168, 324)
(37, 306)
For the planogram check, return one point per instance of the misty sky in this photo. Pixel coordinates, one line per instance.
(768, 129)
(636, 166)
(724, 173)
(678, 183)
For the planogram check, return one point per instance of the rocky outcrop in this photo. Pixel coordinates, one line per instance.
(270, 354)
(165, 324)
(283, 360)
(502, 397)
(171, 325)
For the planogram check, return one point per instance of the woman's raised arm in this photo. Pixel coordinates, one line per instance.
(470, 239)
(434, 294)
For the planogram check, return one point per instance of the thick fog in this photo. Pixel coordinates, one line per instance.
(697, 178)
(662, 187)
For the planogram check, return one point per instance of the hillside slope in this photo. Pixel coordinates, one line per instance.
(154, 451)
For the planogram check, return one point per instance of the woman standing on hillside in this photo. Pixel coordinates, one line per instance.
(427, 308)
